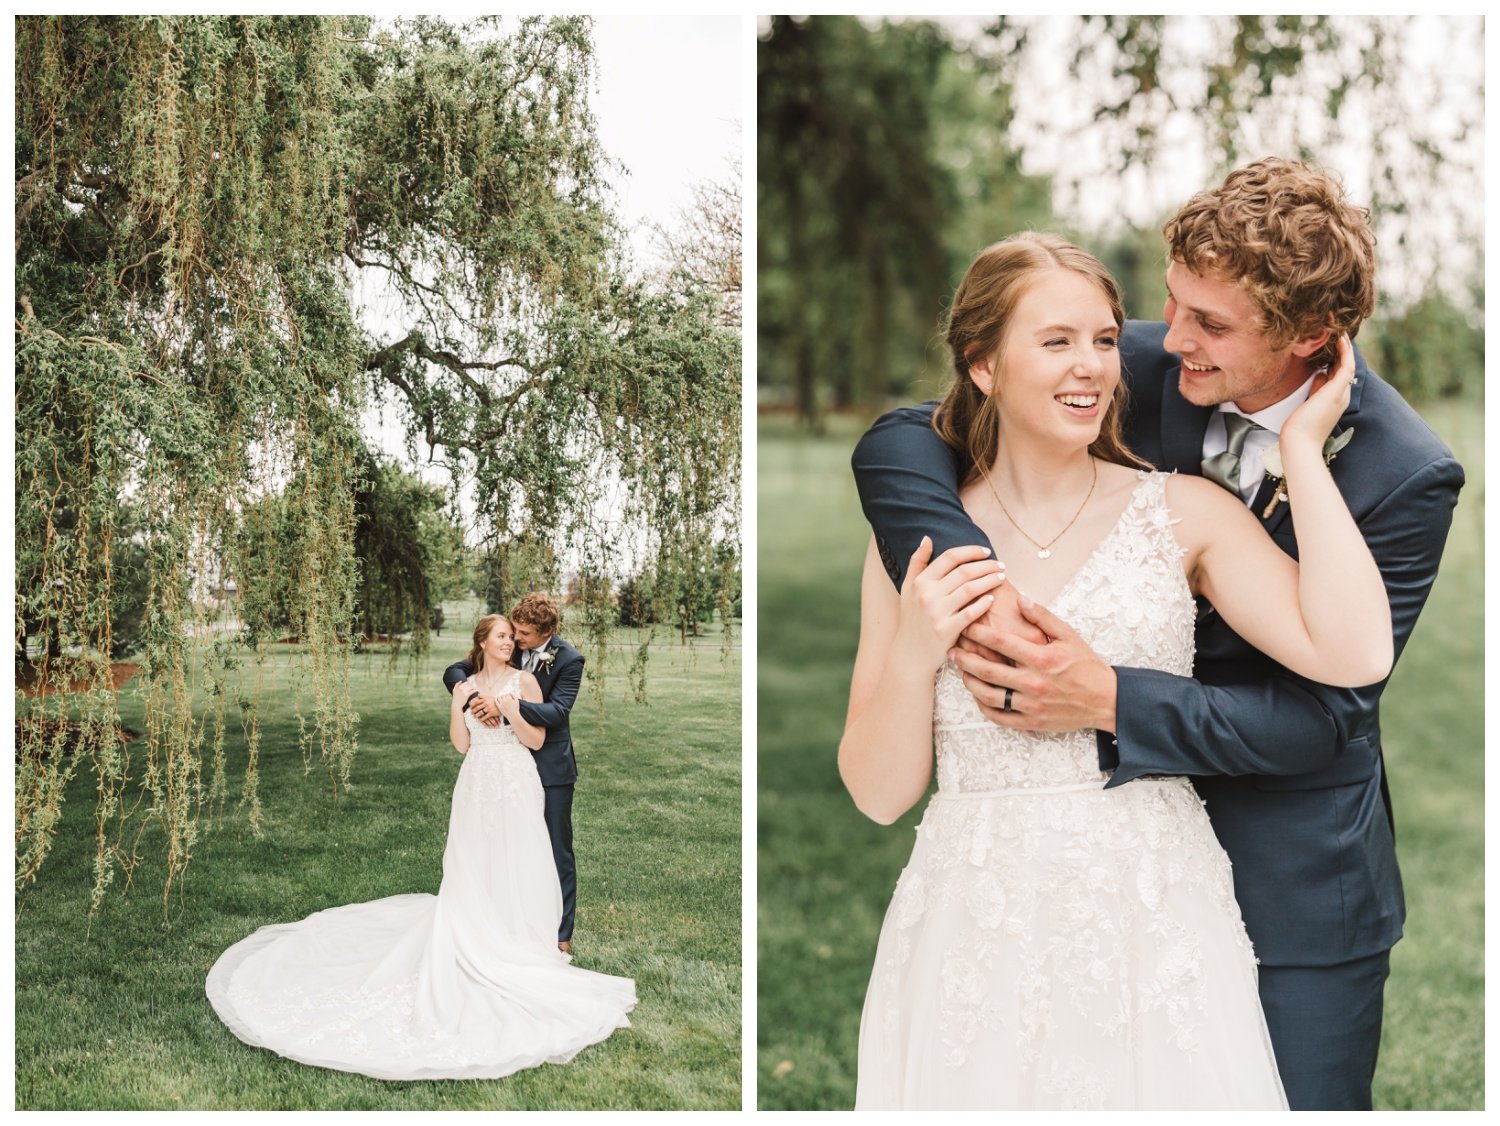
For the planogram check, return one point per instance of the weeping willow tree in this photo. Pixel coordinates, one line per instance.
(233, 236)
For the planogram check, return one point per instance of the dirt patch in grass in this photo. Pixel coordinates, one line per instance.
(29, 675)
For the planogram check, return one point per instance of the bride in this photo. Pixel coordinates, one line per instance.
(1054, 943)
(466, 984)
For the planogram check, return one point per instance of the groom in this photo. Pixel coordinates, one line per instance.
(558, 668)
(1264, 272)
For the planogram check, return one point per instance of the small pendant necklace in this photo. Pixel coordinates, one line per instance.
(1044, 550)
(494, 682)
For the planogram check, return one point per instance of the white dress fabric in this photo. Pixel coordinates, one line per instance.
(1055, 945)
(465, 984)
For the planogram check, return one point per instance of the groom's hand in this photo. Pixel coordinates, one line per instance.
(1002, 619)
(1060, 685)
(485, 710)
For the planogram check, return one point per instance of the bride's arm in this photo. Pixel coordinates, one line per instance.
(531, 736)
(1327, 619)
(885, 756)
(458, 731)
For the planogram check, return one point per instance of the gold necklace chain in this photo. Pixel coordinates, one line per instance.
(495, 682)
(1044, 550)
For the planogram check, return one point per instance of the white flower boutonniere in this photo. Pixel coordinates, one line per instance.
(1271, 460)
(545, 658)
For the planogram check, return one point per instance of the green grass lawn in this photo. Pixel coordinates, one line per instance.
(117, 1019)
(826, 873)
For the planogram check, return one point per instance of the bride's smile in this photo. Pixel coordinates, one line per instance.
(1058, 365)
(499, 645)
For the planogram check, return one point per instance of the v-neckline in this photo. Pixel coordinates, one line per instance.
(1078, 571)
(507, 682)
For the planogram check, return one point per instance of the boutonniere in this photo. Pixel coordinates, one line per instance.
(1271, 460)
(545, 658)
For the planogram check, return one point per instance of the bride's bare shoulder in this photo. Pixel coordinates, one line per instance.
(1116, 480)
(1198, 494)
(1202, 508)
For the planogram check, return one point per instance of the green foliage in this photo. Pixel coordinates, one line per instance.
(408, 551)
(1393, 102)
(511, 569)
(200, 201)
(636, 601)
(889, 155)
(1137, 257)
(858, 180)
(1428, 350)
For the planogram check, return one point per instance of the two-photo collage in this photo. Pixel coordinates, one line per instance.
(738, 563)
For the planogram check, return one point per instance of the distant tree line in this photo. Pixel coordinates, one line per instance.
(888, 156)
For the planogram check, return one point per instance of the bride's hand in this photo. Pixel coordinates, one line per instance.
(1315, 419)
(941, 597)
(484, 709)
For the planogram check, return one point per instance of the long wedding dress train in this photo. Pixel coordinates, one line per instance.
(465, 984)
(1055, 944)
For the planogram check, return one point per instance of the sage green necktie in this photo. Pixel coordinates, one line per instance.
(1224, 468)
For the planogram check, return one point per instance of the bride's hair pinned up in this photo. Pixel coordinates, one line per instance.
(482, 630)
(982, 307)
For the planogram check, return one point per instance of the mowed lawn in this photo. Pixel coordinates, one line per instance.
(114, 1016)
(826, 873)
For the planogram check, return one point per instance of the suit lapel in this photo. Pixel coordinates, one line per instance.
(1182, 429)
(1266, 491)
(1262, 500)
(544, 671)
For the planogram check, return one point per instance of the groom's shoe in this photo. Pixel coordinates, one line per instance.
(566, 946)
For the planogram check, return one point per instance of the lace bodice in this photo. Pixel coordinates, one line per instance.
(504, 735)
(1131, 603)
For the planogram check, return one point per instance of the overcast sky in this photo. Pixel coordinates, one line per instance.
(668, 106)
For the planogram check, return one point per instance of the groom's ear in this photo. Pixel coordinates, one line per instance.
(1306, 346)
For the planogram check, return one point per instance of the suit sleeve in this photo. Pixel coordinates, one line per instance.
(560, 703)
(455, 673)
(908, 488)
(1284, 725)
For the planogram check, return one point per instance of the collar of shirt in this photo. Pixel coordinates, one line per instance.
(1257, 442)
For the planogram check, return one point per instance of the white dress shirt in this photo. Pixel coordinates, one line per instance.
(1257, 442)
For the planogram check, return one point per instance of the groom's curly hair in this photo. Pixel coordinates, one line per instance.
(538, 611)
(1285, 231)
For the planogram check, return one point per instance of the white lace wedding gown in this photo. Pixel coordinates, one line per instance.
(465, 984)
(1051, 943)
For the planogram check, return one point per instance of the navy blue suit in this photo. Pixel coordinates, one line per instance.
(1290, 770)
(560, 681)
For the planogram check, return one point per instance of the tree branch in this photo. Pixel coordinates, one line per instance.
(386, 361)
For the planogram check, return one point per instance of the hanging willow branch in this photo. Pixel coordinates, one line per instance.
(199, 201)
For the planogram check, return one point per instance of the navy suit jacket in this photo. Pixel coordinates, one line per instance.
(560, 682)
(1290, 770)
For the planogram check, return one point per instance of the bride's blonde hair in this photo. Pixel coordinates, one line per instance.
(482, 630)
(967, 419)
